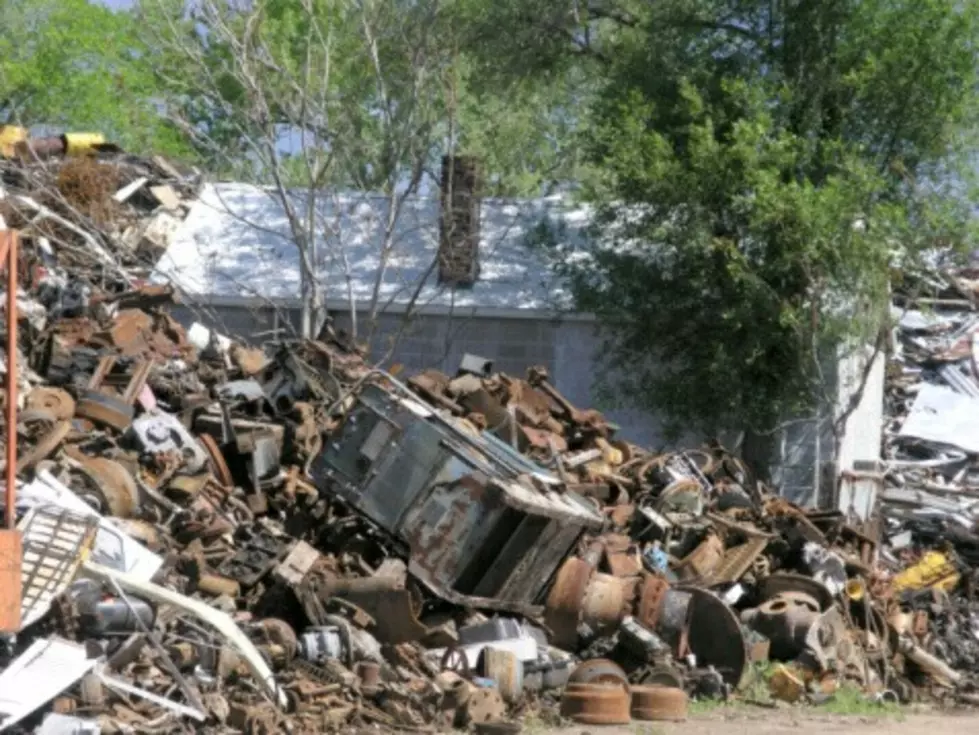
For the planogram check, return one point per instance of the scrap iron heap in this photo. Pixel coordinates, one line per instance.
(220, 538)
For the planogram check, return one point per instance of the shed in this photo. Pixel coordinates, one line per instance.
(450, 276)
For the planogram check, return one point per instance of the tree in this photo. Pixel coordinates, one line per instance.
(314, 99)
(323, 98)
(526, 71)
(75, 65)
(756, 167)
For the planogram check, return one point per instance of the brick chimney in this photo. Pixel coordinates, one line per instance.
(459, 235)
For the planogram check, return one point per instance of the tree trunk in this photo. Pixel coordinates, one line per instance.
(313, 311)
(306, 324)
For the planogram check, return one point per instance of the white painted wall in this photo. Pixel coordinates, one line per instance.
(862, 433)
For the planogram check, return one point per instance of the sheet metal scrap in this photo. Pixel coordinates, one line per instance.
(698, 518)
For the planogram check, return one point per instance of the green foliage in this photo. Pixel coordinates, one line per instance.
(523, 130)
(77, 66)
(526, 71)
(309, 69)
(756, 167)
(848, 700)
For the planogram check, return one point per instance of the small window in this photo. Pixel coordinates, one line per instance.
(375, 442)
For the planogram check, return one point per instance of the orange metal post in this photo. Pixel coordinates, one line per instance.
(9, 507)
(11, 543)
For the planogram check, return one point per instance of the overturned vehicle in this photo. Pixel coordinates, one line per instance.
(479, 524)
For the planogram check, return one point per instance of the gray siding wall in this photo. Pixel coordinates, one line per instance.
(566, 348)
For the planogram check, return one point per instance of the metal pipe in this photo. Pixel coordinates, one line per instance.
(10, 513)
(929, 663)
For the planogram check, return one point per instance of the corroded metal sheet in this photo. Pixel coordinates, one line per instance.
(737, 560)
(478, 532)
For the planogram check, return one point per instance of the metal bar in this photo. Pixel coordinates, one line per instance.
(154, 638)
(104, 368)
(137, 382)
(125, 686)
(10, 512)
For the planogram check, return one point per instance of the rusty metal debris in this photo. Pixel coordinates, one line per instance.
(222, 538)
(658, 703)
(596, 704)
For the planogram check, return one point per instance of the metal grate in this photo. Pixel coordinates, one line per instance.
(56, 542)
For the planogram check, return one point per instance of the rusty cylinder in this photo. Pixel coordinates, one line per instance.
(605, 603)
(341, 586)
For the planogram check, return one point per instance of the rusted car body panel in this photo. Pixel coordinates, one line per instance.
(479, 531)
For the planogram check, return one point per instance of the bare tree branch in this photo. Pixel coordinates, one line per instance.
(317, 95)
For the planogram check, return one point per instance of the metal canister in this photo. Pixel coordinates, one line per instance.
(40, 148)
(318, 644)
(77, 144)
(369, 674)
(100, 615)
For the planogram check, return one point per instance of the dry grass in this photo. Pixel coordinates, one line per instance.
(88, 186)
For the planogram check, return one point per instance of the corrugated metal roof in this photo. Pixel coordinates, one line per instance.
(235, 243)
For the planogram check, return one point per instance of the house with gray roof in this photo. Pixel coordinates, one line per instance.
(446, 275)
(236, 263)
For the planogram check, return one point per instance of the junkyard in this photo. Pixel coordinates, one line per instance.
(205, 536)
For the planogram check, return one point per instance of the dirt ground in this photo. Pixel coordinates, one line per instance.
(775, 722)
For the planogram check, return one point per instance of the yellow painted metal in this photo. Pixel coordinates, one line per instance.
(935, 570)
(10, 135)
(856, 589)
(77, 144)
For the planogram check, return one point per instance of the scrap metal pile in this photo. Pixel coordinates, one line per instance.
(931, 496)
(220, 539)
